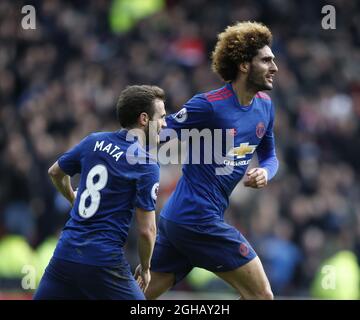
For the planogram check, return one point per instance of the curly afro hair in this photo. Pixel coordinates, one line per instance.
(237, 44)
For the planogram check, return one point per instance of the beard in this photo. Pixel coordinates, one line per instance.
(256, 81)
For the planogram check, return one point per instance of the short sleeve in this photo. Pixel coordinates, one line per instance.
(70, 161)
(147, 187)
(197, 113)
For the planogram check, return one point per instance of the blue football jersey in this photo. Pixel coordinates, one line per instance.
(201, 194)
(110, 189)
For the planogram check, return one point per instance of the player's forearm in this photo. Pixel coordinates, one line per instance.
(267, 156)
(271, 164)
(63, 184)
(146, 242)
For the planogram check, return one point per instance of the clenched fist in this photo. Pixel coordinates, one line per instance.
(256, 178)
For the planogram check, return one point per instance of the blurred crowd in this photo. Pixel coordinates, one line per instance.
(60, 82)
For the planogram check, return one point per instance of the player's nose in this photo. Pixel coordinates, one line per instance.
(274, 67)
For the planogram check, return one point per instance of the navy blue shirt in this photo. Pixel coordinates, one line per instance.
(110, 189)
(202, 194)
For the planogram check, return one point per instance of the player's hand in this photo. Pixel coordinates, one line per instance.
(256, 178)
(142, 277)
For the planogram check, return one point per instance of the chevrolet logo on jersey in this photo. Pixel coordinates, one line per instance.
(241, 151)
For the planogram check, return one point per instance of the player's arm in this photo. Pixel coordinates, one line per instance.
(147, 186)
(62, 182)
(268, 166)
(146, 226)
(268, 162)
(65, 167)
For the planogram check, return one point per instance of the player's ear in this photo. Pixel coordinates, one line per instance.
(143, 119)
(244, 67)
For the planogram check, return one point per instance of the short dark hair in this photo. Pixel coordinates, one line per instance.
(137, 99)
(237, 44)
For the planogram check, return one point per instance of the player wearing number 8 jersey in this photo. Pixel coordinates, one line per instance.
(88, 262)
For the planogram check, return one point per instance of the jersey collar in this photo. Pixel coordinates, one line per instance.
(236, 100)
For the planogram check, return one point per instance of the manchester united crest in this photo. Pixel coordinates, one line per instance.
(260, 130)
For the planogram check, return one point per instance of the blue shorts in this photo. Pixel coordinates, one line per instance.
(217, 247)
(65, 280)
